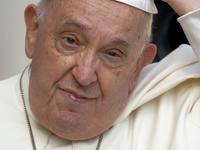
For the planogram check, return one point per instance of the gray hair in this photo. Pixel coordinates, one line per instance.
(41, 10)
(148, 28)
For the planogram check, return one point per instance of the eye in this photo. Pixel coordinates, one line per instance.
(69, 41)
(113, 54)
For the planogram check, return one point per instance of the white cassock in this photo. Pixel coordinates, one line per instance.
(163, 112)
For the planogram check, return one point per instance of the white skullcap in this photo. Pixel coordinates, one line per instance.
(145, 5)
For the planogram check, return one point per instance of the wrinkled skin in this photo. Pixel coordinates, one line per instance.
(85, 62)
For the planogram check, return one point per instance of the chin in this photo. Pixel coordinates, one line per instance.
(75, 129)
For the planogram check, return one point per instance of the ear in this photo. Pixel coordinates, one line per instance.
(31, 29)
(145, 58)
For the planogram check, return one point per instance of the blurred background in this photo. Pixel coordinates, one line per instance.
(12, 34)
(167, 34)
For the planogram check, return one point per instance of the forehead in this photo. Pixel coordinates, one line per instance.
(103, 19)
(95, 10)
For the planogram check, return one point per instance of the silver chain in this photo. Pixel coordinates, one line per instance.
(29, 124)
(100, 141)
(26, 113)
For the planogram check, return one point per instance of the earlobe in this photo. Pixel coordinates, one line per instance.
(31, 29)
(146, 58)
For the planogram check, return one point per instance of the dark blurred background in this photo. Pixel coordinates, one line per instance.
(167, 33)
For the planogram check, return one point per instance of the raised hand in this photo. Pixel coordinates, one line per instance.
(183, 6)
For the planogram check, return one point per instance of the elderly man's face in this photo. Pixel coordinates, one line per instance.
(86, 60)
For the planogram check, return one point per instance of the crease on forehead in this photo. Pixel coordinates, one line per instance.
(131, 16)
(106, 6)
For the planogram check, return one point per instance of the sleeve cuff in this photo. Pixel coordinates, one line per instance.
(190, 23)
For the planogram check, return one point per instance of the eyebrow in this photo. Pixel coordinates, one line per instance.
(76, 24)
(121, 42)
(84, 28)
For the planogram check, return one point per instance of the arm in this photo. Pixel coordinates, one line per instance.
(189, 10)
(183, 7)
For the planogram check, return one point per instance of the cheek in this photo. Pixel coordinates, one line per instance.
(48, 67)
(114, 87)
(48, 64)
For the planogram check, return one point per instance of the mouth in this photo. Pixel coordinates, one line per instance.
(77, 98)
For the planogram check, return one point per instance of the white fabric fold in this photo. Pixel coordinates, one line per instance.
(145, 5)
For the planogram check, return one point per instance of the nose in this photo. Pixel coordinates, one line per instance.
(85, 69)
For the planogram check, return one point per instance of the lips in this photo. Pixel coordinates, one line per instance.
(77, 98)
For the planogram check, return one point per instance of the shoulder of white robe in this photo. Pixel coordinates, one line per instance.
(145, 5)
